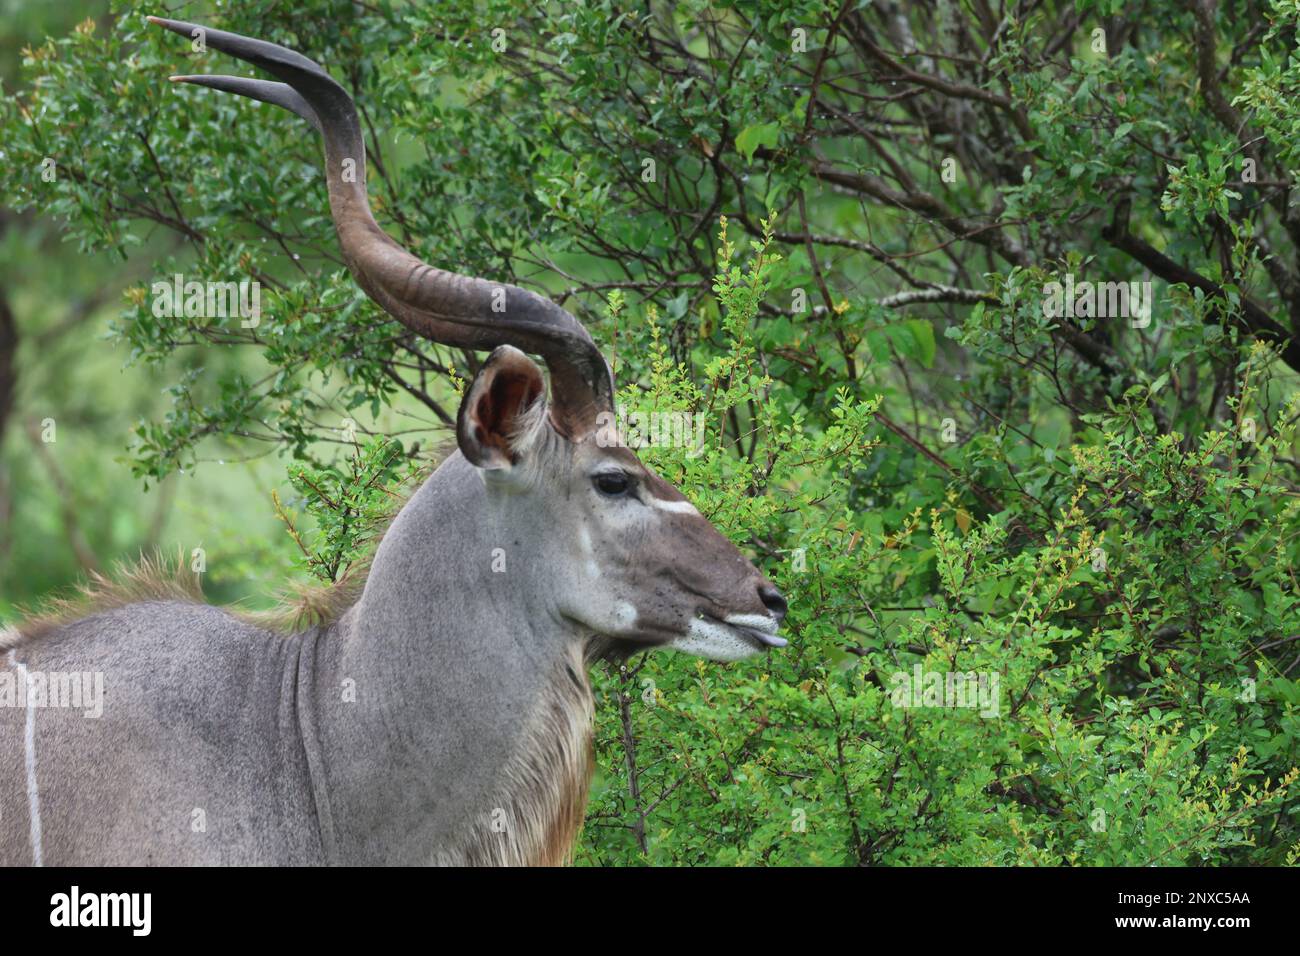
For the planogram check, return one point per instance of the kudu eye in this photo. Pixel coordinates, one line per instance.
(612, 483)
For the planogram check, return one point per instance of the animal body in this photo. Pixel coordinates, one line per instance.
(445, 716)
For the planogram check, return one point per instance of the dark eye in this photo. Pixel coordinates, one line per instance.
(612, 483)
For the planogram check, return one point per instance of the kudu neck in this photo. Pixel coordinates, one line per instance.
(444, 685)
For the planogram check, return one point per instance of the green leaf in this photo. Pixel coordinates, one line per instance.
(752, 137)
(913, 339)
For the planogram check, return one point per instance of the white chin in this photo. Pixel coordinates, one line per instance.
(713, 641)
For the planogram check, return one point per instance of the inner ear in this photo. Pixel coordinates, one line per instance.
(491, 414)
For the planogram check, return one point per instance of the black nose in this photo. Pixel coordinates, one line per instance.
(773, 600)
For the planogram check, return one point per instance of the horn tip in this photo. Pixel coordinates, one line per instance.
(176, 26)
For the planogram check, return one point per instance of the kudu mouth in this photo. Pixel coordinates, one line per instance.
(756, 627)
(759, 632)
(733, 609)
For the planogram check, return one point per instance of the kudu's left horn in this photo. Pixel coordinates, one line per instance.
(456, 310)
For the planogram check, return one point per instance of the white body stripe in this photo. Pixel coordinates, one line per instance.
(29, 743)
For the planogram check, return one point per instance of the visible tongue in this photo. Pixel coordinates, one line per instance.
(771, 640)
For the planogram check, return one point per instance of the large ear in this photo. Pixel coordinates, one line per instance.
(491, 414)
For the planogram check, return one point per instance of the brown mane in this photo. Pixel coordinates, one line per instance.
(157, 577)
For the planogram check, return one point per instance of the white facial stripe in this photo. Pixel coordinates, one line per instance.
(588, 553)
(676, 507)
(759, 622)
(714, 641)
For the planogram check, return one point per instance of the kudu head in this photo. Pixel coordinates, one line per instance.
(628, 557)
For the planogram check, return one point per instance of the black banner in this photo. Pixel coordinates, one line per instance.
(136, 906)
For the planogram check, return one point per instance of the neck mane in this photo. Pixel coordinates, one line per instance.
(542, 790)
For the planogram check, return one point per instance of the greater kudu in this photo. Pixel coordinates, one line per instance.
(444, 717)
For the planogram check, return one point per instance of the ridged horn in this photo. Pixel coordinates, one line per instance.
(444, 307)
